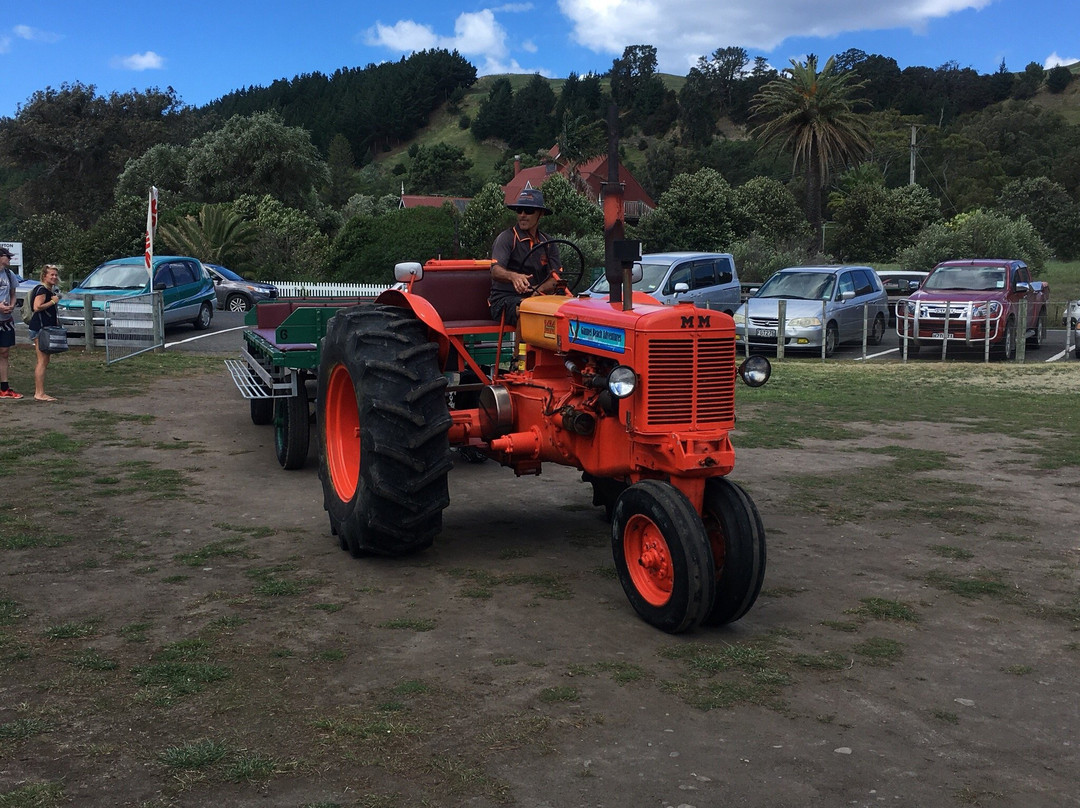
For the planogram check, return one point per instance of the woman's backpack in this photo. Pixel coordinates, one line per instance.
(28, 304)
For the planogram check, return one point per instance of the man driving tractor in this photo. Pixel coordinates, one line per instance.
(515, 273)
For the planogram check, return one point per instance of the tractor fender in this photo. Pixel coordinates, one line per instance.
(424, 312)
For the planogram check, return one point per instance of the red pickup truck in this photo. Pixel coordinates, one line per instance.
(974, 302)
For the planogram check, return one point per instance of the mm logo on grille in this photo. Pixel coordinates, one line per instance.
(702, 321)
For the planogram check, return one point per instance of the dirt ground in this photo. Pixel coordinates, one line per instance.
(168, 589)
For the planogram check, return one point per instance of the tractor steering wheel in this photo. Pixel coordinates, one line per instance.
(564, 282)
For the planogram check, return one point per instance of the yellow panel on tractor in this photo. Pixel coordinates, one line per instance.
(537, 323)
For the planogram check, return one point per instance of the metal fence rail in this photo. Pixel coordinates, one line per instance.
(133, 325)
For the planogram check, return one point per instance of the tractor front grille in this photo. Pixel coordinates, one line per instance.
(690, 382)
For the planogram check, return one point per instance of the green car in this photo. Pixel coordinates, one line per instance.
(187, 291)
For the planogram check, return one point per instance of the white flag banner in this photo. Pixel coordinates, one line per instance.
(151, 226)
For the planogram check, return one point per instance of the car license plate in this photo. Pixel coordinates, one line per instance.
(937, 336)
(765, 332)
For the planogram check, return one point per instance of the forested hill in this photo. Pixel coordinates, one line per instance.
(372, 107)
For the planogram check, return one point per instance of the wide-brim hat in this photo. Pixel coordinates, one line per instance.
(6, 253)
(531, 198)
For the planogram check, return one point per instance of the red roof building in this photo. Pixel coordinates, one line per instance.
(593, 173)
(417, 201)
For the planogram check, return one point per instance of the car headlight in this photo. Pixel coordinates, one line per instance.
(740, 319)
(909, 307)
(980, 311)
(805, 322)
(622, 381)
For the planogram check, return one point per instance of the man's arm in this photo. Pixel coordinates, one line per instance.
(520, 281)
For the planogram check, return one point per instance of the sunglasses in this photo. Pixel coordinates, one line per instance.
(525, 210)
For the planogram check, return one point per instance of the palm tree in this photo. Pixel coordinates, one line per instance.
(812, 114)
(219, 236)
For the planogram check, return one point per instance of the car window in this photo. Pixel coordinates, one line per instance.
(681, 274)
(163, 276)
(184, 273)
(725, 270)
(702, 275)
(864, 284)
(847, 282)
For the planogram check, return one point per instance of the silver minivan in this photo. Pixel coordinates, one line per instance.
(707, 280)
(831, 303)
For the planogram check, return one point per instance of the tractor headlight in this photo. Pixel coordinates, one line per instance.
(622, 381)
(755, 370)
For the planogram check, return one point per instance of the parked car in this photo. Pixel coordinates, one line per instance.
(822, 303)
(234, 293)
(898, 284)
(1072, 314)
(974, 301)
(187, 291)
(708, 280)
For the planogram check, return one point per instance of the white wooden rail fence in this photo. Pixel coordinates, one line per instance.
(302, 289)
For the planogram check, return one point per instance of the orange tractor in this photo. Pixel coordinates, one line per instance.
(639, 396)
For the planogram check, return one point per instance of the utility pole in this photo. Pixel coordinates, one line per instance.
(911, 160)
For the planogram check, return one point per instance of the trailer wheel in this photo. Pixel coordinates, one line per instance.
(292, 428)
(382, 424)
(262, 411)
(737, 538)
(662, 556)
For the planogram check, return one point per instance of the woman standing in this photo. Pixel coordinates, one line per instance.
(43, 301)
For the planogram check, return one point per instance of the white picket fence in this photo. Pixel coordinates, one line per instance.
(307, 289)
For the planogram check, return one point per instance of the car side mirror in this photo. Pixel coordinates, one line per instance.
(1023, 287)
(849, 295)
(681, 287)
(912, 285)
(160, 286)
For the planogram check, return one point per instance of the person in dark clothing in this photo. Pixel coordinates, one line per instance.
(512, 277)
(43, 300)
(7, 321)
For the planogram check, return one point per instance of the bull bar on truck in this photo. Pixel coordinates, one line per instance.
(968, 321)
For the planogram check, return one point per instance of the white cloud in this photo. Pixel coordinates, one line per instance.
(35, 34)
(477, 36)
(139, 61)
(5, 44)
(685, 30)
(1053, 60)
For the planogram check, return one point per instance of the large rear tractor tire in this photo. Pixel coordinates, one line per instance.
(292, 428)
(662, 556)
(737, 538)
(382, 426)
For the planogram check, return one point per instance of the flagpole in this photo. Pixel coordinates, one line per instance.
(151, 226)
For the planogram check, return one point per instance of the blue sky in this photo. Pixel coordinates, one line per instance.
(205, 50)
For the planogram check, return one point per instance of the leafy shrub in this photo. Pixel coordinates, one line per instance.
(978, 234)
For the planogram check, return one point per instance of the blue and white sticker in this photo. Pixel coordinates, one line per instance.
(598, 336)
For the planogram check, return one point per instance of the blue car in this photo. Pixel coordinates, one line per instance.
(187, 292)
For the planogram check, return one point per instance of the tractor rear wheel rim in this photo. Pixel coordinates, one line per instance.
(648, 560)
(342, 433)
